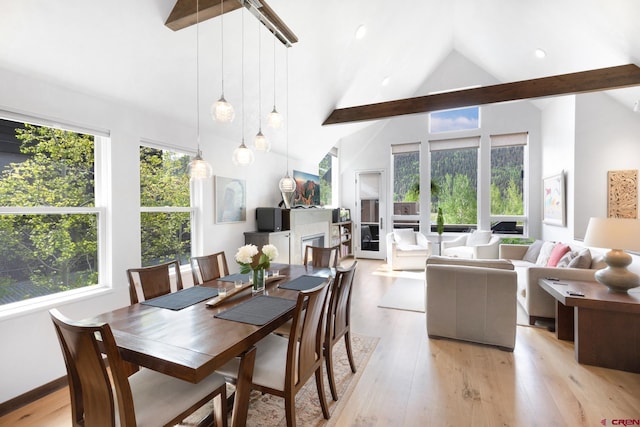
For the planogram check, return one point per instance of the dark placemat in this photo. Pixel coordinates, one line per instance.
(304, 283)
(183, 298)
(258, 310)
(234, 277)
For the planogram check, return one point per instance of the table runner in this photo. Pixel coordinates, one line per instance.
(258, 310)
(304, 283)
(183, 298)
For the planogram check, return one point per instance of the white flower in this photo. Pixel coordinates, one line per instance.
(246, 253)
(270, 251)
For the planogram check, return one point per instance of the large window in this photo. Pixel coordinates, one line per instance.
(406, 185)
(49, 218)
(454, 120)
(328, 169)
(507, 182)
(165, 213)
(454, 181)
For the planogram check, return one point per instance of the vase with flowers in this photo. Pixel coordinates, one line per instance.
(252, 260)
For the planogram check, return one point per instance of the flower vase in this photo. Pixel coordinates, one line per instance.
(258, 280)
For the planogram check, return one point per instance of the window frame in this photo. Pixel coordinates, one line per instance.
(413, 221)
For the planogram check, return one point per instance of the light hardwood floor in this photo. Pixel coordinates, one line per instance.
(411, 380)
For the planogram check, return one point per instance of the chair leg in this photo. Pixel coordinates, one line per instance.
(220, 411)
(320, 387)
(347, 344)
(290, 409)
(328, 358)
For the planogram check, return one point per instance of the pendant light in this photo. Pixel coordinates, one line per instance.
(222, 111)
(275, 119)
(242, 156)
(287, 184)
(199, 169)
(260, 141)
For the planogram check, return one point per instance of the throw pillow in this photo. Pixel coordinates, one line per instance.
(566, 259)
(478, 237)
(405, 236)
(583, 260)
(545, 253)
(558, 251)
(533, 252)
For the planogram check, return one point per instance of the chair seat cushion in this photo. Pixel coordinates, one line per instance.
(412, 250)
(158, 398)
(459, 252)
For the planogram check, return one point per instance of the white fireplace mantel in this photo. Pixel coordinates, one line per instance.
(307, 222)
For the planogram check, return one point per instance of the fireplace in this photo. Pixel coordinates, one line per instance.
(309, 227)
(316, 240)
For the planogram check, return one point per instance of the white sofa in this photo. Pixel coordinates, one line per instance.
(479, 244)
(407, 249)
(532, 265)
(472, 300)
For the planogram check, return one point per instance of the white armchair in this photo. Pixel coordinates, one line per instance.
(479, 244)
(407, 249)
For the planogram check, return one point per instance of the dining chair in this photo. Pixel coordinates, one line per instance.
(102, 396)
(150, 282)
(209, 267)
(339, 321)
(321, 257)
(284, 365)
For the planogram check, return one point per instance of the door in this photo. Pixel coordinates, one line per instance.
(370, 209)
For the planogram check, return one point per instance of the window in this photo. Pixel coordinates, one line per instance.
(328, 170)
(406, 185)
(454, 181)
(49, 217)
(454, 120)
(165, 213)
(507, 181)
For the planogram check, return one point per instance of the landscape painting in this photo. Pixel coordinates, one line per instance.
(307, 189)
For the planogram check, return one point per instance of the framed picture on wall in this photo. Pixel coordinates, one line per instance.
(230, 200)
(553, 200)
(622, 194)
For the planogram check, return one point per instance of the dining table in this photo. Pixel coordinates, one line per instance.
(193, 341)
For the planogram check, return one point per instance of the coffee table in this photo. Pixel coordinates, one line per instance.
(604, 325)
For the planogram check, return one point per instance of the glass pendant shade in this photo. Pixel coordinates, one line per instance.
(275, 119)
(261, 142)
(287, 184)
(222, 111)
(200, 169)
(242, 156)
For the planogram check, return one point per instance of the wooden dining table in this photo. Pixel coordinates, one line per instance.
(192, 343)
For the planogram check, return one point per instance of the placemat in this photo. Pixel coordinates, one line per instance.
(183, 298)
(234, 277)
(304, 283)
(258, 310)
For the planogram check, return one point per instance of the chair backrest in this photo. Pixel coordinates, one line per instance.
(91, 387)
(150, 282)
(321, 257)
(209, 267)
(339, 308)
(304, 352)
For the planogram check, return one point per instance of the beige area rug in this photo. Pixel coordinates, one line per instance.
(267, 410)
(405, 294)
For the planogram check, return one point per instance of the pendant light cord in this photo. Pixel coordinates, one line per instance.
(198, 75)
(259, 80)
(287, 100)
(221, 46)
(242, 74)
(274, 72)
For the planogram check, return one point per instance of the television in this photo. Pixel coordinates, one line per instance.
(307, 189)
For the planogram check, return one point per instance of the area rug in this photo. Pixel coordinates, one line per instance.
(267, 410)
(405, 294)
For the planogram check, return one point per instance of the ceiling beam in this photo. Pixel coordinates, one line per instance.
(585, 81)
(183, 15)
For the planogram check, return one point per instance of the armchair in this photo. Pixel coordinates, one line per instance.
(478, 244)
(407, 249)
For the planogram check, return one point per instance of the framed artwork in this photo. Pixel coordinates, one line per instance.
(307, 189)
(553, 200)
(622, 194)
(230, 200)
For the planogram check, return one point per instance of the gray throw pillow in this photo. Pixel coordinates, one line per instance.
(532, 253)
(566, 259)
(583, 260)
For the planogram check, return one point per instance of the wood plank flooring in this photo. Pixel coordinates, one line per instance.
(411, 380)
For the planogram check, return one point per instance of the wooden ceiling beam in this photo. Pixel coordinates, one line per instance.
(183, 15)
(581, 82)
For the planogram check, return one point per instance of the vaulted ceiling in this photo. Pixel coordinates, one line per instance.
(122, 49)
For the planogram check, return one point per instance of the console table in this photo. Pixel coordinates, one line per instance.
(604, 325)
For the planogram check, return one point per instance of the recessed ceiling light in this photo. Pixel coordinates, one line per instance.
(385, 81)
(361, 32)
(540, 53)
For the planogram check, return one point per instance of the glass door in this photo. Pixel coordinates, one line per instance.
(370, 209)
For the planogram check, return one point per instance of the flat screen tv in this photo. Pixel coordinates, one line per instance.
(307, 189)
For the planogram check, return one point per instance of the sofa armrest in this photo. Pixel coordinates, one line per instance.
(458, 241)
(489, 250)
(421, 240)
(508, 251)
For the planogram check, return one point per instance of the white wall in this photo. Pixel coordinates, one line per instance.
(32, 354)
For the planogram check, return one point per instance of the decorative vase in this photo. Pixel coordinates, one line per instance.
(258, 280)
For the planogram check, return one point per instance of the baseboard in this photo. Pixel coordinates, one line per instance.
(32, 395)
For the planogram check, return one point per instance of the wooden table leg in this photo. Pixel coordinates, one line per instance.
(243, 388)
(564, 322)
